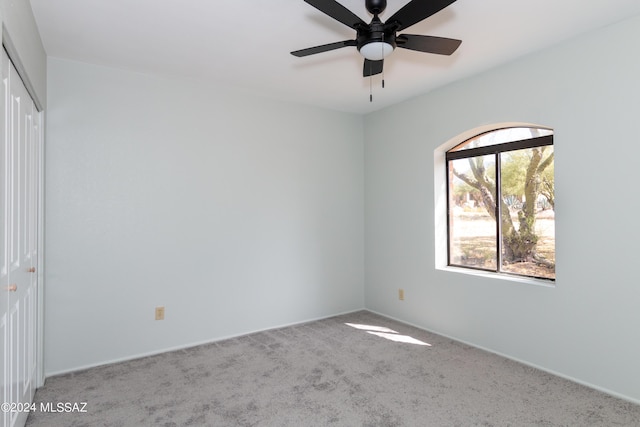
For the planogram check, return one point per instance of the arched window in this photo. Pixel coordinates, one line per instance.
(500, 202)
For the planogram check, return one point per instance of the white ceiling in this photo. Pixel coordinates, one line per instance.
(246, 43)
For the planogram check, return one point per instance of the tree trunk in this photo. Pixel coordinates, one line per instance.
(521, 245)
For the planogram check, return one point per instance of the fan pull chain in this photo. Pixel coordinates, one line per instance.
(382, 55)
(370, 82)
(370, 87)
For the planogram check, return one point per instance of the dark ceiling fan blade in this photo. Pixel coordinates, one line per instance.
(337, 12)
(429, 44)
(415, 11)
(371, 68)
(324, 48)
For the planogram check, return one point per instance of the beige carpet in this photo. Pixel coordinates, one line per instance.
(359, 369)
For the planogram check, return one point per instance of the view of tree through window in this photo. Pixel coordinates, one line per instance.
(505, 174)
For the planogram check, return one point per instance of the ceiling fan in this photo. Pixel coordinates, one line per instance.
(375, 41)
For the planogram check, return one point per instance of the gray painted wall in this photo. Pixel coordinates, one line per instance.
(234, 212)
(585, 327)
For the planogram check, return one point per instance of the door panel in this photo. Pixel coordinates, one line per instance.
(21, 142)
(4, 249)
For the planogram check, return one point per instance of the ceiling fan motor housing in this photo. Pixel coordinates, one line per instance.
(376, 32)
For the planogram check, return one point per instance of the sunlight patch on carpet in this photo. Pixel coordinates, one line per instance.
(371, 328)
(387, 333)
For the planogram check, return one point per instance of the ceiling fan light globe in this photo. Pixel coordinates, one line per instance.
(376, 51)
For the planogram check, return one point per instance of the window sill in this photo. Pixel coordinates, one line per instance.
(500, 276)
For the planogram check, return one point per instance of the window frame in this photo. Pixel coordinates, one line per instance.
(494, 150)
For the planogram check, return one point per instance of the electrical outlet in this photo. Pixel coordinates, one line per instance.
(160, 313)
(401, 294)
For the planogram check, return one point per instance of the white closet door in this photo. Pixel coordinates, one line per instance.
(4, 249)
(19, 169)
